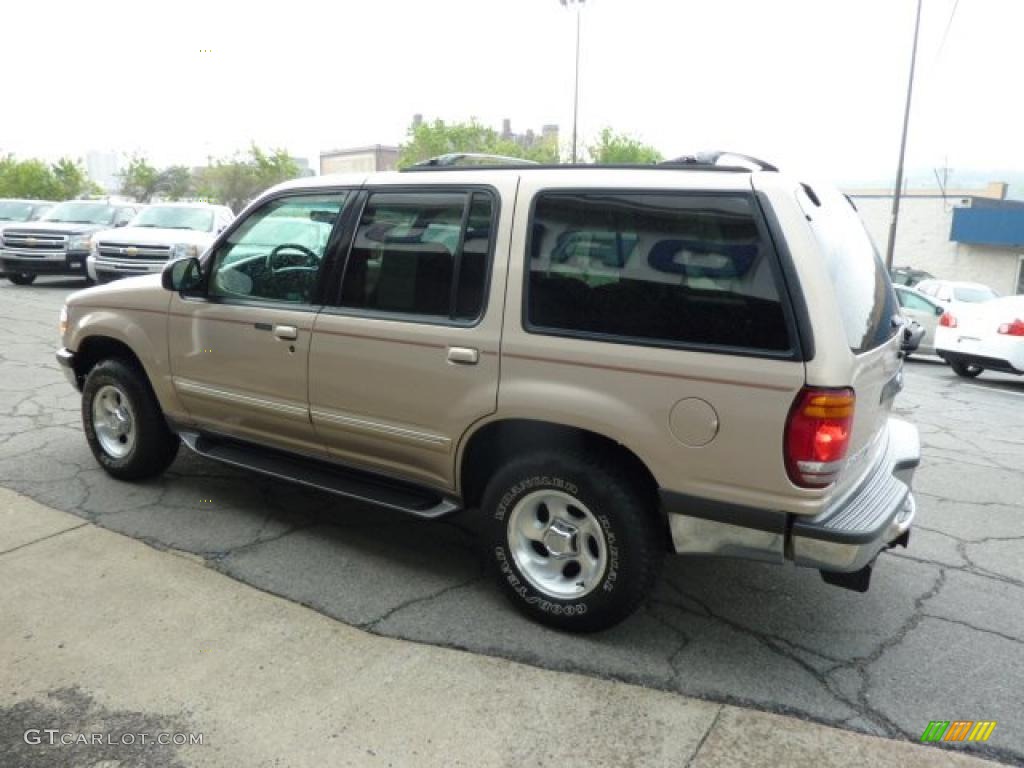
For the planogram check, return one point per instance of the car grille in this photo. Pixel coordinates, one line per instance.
(33, 243)
(127, 251)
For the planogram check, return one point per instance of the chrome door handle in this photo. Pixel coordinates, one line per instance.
(286, 332)
(463, 355)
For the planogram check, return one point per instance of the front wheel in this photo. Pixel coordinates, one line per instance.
(21, 279)
(123, 422)
(572, 539)
(965, 370)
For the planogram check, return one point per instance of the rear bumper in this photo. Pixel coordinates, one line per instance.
(993, 353)
(845, 538)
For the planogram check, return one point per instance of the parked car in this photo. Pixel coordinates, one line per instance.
(909, 276)
(983, 337)
(13, 211)
(952, 293)
(59, 243)
(715, 378)
(924, 310)
(161, 232)
(16, 211)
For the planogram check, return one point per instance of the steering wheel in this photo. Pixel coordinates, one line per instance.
(312, 258)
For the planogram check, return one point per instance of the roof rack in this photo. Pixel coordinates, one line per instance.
(712, 159)
(701, 161)
(458, 159)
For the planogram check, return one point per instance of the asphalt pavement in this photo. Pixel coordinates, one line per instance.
(939, 636)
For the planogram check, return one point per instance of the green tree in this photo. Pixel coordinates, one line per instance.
(612, 147)
(31, 179)
(71, 180)
(140, 179)
(237, 180)
(431, 139)
(176, 182)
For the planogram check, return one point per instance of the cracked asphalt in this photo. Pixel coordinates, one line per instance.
(940, 636)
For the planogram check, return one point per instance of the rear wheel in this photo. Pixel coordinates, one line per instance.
(123, 422)
(572, 540)
(22, 279)
(964, 369)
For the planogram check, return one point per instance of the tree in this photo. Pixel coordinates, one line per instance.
(614, 147)
(237, 180)
(140, 180)
(176, 182)
(35, 180)
(71, 180)
(431, 139)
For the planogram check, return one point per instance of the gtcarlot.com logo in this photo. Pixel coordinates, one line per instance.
(958, 730)
(55, 737)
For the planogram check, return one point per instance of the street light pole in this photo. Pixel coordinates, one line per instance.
(903, 148)
(576, 88)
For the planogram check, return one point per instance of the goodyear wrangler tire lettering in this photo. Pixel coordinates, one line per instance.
(593, 549)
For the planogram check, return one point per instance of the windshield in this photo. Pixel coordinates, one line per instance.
(15, 211)
(175, 217)
(82, 213)
(974, 295)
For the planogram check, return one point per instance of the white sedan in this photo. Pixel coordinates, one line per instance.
(925, 311)
(983, 337)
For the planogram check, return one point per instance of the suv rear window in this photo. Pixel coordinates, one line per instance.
(867, 301)
(668, 268)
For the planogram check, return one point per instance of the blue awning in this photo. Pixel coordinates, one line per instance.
(1003, 227)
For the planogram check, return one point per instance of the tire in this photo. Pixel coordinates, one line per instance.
(533, 505)
(963, 369)
(131, 440)
(21, 279)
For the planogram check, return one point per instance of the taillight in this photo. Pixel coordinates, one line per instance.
(818, 435)
(947, 320)
(1016, 328)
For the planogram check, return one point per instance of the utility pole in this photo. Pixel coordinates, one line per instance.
(576, 88)
(897, 191)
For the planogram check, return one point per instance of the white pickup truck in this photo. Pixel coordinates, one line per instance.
(161, 233)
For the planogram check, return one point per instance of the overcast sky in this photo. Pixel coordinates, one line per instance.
(808, 84)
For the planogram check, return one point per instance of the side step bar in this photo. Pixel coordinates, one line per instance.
(313, 473)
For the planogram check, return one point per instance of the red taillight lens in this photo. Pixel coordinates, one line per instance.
(947, 320)
(1016, 328)
(818, 435)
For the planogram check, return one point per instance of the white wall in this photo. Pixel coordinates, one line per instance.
(922, 242)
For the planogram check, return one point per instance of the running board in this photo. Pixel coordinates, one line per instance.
(313, 473)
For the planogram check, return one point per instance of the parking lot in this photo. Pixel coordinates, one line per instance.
(939, 636)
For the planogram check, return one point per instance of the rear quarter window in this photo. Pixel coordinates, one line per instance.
(864, 292)
(659, 268)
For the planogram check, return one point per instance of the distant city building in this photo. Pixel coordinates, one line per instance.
(548, 134)
(103, 168)
(376, 157)
(975, 235)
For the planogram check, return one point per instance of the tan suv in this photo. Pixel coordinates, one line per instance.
(607, 363)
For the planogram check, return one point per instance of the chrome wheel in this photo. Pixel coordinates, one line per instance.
(557, 544)
(113, 421)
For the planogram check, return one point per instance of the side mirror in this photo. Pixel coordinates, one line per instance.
(912, 334)
(118, 224)
(182, 275)
(939, 311)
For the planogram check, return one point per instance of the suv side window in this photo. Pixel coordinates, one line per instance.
(867, 300)
(276, 253)
(669, 268)
(421, 253)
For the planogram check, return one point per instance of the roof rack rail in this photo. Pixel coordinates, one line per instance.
(713, 158)
(460, 159)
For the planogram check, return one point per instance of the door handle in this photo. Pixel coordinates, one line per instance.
(286, 332)
(463, 355)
